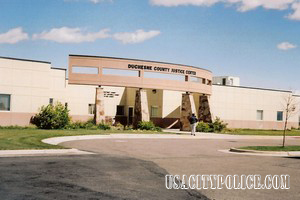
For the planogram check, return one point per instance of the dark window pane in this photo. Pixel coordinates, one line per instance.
(5, 102)
(279, 116)
(120, 110)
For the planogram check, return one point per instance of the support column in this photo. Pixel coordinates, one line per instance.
(141, 109)
(187, 109)
(99, 106)
(204, 109)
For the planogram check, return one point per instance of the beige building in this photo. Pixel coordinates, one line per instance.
(26, 85)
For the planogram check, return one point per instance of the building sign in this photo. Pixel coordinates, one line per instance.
(161, 69)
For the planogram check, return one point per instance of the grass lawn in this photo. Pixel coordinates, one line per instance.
(272, 148)
(262, 132)
(13, 139)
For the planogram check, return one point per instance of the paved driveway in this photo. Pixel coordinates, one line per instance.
(201, 156)
(87, 177)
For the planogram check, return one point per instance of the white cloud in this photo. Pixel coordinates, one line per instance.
(71, 35)
(296, 14)
(242, 5)
(245, 5)
(286, 46)
(135, 37)
(13, 36)
(77, 35)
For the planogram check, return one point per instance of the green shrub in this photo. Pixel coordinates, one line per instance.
(118, 126)
(148, 125)
(76, 125)
(217, 126)
(52, 117)
(203, 127)
(128, 128)
(103, 126)
(89, 124)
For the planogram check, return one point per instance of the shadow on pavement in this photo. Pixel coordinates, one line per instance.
(85, 177)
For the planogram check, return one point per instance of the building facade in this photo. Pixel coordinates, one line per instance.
(165, 93)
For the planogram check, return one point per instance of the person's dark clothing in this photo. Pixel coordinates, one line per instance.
(193, 120)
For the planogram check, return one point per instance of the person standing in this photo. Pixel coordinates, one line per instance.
(193, 122)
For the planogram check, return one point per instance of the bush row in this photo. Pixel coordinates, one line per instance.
(57, 117)
(149, 126)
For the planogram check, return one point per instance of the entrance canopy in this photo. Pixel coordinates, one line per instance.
(108, 71)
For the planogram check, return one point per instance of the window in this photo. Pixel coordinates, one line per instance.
(66, 105)
(154, 111)
(5, 102)
(172, 77)
(92, 109)
(120, 72)
(120, 111)
(260, 115)
(85, 70)
(51, 101)
(195, 79)
(279, 115)
(203, 81)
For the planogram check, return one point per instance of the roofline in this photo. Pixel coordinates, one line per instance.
(254, 88)
(59, 68)
(28, 60)
(138, 60)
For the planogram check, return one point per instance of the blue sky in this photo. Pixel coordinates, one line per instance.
(255, 40)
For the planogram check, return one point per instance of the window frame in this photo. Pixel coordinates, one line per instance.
(262, 115)
(157, 115)
(281, 116)
(51, 101)
(9, 103)
(123, 114)
(93, 106)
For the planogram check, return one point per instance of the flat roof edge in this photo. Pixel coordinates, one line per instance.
(28, 60)
(90, 56)
(254, 88)
(59, 68)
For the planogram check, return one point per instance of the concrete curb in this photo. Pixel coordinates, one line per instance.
(42, 152)
(278, 153)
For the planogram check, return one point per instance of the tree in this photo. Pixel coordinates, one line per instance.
(290, 108)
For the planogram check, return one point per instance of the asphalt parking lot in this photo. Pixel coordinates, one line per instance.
(202, 156)
(136, 169)
(88, 177)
